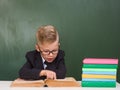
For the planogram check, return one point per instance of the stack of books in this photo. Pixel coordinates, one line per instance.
(99, 72)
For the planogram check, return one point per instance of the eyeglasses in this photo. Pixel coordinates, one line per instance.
(48, 52)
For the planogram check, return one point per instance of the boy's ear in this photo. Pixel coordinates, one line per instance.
(37, 47)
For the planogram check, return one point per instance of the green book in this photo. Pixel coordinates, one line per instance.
(98, 83)
(100, 65)
(99, 69)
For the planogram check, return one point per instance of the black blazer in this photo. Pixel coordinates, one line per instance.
(34, 64)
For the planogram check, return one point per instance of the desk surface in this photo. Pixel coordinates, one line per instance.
(5, 85)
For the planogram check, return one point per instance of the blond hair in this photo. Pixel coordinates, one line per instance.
(47, 33)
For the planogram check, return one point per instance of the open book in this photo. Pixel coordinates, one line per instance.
(67, 82)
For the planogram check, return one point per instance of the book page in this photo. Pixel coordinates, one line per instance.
(67, 82)
(27, 83)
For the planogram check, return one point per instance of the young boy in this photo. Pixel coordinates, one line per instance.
(47, 61)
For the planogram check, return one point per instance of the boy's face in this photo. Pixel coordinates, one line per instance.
(49, 51)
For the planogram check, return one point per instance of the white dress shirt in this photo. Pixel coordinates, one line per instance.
(44, 65)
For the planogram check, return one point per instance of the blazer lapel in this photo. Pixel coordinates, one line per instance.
(39, 63)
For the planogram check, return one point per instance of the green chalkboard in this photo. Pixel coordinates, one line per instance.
(87, 28)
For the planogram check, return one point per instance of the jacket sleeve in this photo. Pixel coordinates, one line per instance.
(28, 71)
(60, 66)
(60, 69)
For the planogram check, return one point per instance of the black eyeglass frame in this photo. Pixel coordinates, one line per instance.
(54, 52)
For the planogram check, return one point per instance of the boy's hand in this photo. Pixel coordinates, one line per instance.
(48, 73)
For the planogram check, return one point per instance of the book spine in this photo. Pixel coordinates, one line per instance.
(98, 76)
(97, 79)
(98, 69)
(98, 84)
(114, 66)
(100, 72)
(100, 61)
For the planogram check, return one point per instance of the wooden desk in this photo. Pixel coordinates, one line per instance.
(5, 85)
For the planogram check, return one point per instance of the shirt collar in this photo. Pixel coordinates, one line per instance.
(43, 60)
